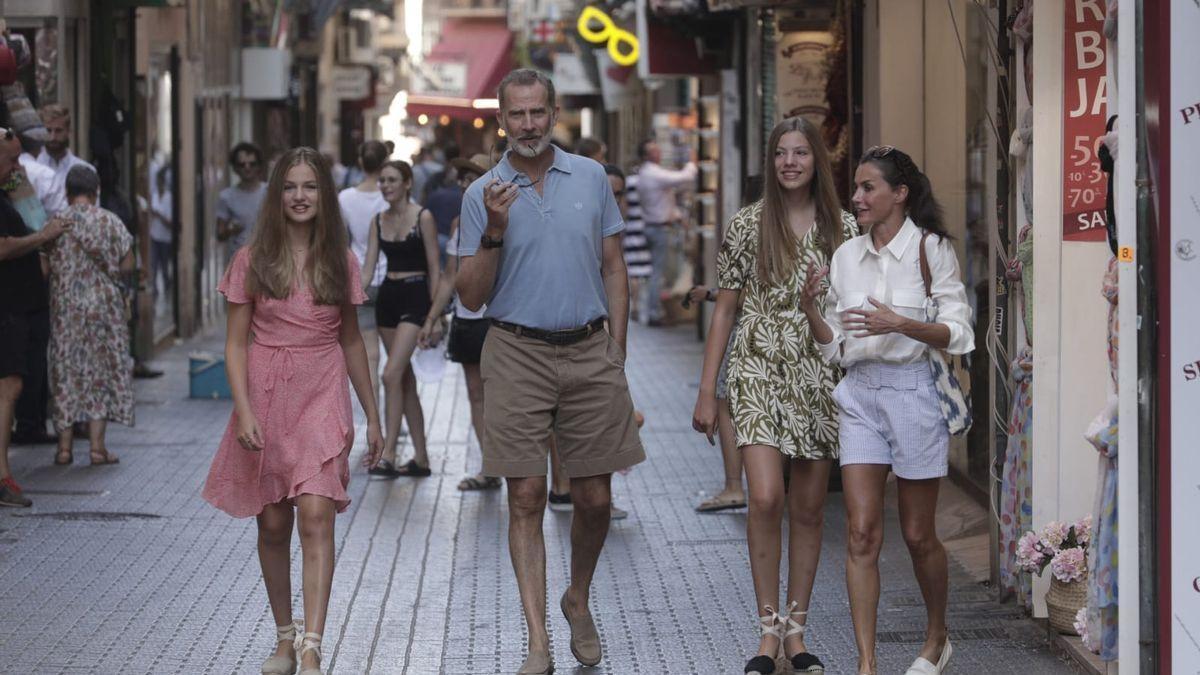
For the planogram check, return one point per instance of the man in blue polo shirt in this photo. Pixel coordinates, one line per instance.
(540, 245)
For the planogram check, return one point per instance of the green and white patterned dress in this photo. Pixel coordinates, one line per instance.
(780, 389)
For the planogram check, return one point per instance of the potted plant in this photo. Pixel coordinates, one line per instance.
(1062, 547)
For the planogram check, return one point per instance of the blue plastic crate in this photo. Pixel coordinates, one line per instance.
(206, 377)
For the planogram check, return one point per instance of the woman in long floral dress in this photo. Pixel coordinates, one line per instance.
(780, 389)
(90, 367)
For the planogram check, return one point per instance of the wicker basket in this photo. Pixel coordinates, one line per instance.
(1063, 602)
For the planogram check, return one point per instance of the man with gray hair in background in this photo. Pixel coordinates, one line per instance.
(540, 244)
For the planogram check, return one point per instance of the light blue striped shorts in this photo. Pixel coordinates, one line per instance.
(890, 415)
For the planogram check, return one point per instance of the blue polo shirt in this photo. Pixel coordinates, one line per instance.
(549, 271)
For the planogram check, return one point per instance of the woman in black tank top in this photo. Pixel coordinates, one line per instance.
(407, 236)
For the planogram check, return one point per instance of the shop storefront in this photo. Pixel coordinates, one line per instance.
(453, 90)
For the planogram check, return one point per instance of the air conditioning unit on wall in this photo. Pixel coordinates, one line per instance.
(355, 42)
(266, 73)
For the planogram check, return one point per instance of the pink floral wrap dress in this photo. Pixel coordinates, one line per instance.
(300, 395)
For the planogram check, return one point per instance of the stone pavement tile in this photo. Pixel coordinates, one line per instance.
(124, 569)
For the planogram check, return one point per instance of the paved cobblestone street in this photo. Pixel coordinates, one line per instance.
(124, 569)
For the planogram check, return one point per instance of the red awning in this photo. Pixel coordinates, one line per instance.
(484, 48)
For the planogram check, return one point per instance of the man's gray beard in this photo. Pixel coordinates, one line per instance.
(530, 153)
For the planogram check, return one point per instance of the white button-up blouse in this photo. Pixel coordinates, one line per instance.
(892, 276)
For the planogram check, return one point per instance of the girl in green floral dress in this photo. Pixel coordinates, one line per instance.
(780, 389)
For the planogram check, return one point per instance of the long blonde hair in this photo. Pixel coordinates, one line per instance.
(778, 247)
(273, 270)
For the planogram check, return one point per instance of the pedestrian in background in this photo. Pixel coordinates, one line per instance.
(780, 389)
(162, 231)
(56, 153)
(559, 498)
(468, 329)
(593, 149)
(425, 166)
(25, 296)
(91, 371)
(444, 202)
(638, 260)
(657, 187)
(732, 495)
(360, 204)
(550, 369)
(42, 177)
(238, 205)
(874, 325)
(287, 446)
(405, 234)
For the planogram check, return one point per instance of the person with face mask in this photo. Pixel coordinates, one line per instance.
(541, 246)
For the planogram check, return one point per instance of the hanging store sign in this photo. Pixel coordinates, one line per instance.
(598, 28)
(351, 83)
(440, 78)
(1085, 112)
(802, 73)
(571, 76)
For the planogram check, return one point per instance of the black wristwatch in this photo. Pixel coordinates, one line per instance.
(490, 242)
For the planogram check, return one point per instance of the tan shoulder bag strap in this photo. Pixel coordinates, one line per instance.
(926, 275)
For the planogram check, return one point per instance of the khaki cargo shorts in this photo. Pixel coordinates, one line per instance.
(533, 390)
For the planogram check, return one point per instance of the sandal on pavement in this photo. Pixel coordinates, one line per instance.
(383, 468)
(769, 625)
(105, 457)
(479, 483)
(282, 665)
(414, 470)
(719, 503)
(585, 639)
(308, 642)
(802, 662)
(923, 666)
(60, 454)
(537, 664)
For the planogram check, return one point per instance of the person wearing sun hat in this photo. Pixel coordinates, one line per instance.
(478, 164)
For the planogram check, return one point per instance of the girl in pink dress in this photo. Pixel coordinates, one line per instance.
(292, 340)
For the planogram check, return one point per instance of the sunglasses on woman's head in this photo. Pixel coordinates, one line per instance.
(881, 151)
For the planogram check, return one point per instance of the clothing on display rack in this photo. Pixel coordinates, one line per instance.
(1102, 552)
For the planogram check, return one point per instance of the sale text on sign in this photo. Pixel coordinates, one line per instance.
(1085, 108)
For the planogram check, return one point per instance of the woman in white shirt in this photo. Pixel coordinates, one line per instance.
(874, 326)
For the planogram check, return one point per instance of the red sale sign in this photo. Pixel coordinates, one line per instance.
(1085, 109)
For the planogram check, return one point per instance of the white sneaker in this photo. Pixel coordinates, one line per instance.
(618, 514)
(923, 666)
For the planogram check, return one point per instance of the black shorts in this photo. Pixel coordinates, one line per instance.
(16, 344)
(402, 301)
(466, 339)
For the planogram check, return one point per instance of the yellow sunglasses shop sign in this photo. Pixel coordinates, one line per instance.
(597, 27)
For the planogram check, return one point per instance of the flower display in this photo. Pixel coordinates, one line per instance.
(1069, 564)
(1060, 545)
(1083, 530)
(1054, 534)
(1029, 553)
(1081, 626)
